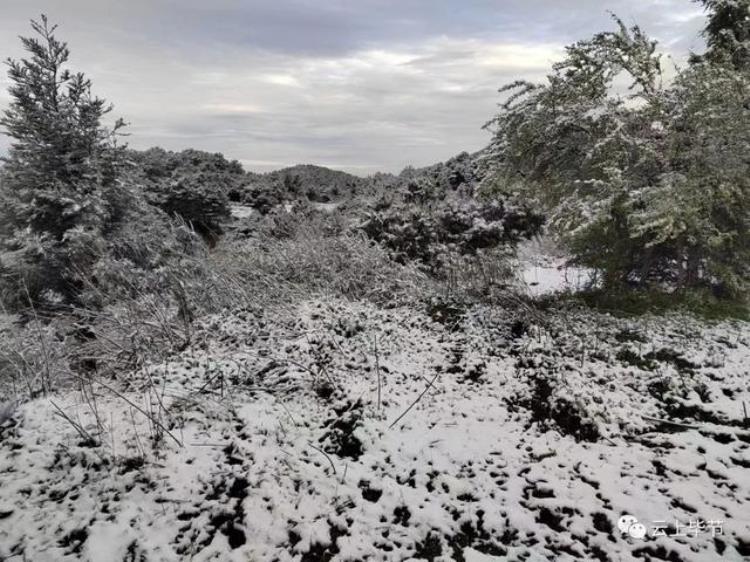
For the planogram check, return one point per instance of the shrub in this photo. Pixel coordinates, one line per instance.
(33, 361)
(191, 184)
(458, 174)
(415, 233)
(312, 263)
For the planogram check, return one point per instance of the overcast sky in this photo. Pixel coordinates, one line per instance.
(357, 85)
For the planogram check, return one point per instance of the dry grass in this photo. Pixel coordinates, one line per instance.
(311, 263)
(485, 276)
(144, 316)
(33, 361)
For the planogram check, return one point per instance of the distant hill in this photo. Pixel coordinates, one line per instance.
(311, 183)
(459, 174)
(318, 183)
(163, 172)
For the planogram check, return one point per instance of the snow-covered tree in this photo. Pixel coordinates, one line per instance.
(727, 32)
(61, 163)
(644, 182)
(582, 148)
(700, 205)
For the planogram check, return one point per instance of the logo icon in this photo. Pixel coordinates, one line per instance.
(629, 525)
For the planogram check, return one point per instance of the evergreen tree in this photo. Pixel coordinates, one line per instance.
(61, 163)
(727, 33)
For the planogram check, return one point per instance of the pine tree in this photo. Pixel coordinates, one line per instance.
(727, 33)
(59, 166)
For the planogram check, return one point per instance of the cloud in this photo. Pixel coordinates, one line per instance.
(362, 86)
(228, 108)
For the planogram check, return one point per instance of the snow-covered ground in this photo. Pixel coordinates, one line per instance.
(334, 430)
(544, 270)
(242, 211)
(554, 277)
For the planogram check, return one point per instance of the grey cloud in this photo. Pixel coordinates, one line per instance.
(364, 86)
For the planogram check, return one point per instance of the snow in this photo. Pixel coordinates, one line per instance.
(242, 211)
(273, 468)
(326, 207)
(543, 271)
(555, 278)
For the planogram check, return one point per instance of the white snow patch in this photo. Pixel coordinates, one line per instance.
(242, 211)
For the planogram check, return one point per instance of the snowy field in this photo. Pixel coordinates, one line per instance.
(339, 431)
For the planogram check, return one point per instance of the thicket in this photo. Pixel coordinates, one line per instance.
(192, 185)
(428, 235)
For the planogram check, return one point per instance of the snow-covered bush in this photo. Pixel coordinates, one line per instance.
(430, 235)
(459, 174)
(33, 361)
(302, 217)
(312, 263)
(191, 184)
